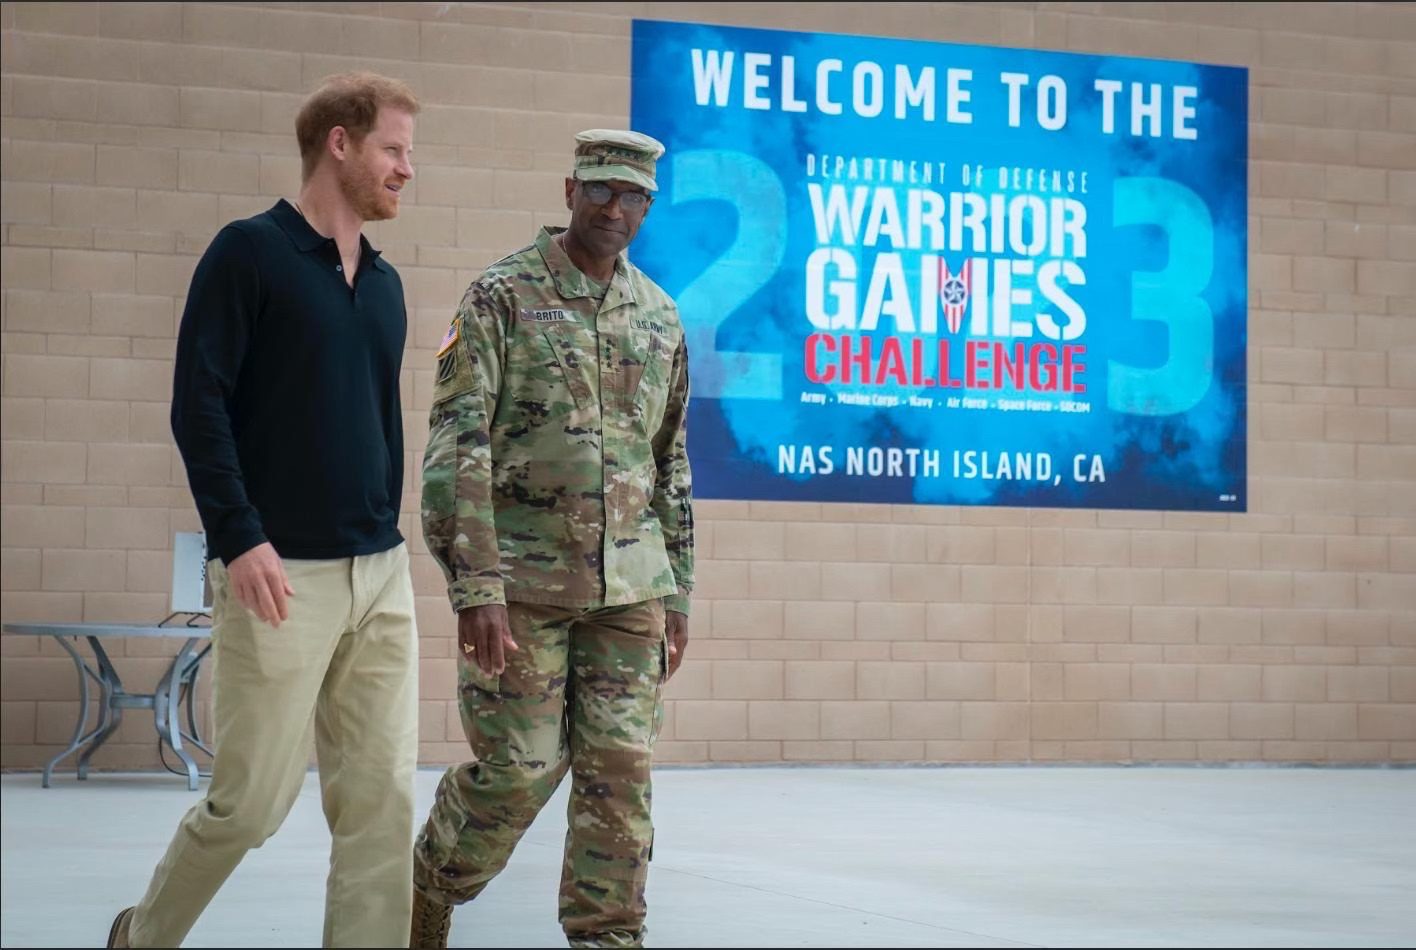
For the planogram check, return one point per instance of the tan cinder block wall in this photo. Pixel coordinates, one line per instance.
(133, 131)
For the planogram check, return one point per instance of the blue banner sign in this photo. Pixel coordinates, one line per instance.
(929, 273)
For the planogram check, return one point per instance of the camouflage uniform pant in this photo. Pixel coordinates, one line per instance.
(582, 693)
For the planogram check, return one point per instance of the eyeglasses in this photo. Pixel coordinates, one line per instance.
(600, 193)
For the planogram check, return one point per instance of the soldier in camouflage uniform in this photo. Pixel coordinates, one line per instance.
(556, 499)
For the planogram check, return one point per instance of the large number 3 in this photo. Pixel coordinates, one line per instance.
(755, 193)
(1171, 296)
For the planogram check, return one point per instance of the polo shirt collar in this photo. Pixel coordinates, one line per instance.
(306, 238)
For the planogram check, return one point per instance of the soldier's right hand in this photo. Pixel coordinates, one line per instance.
(484, 634)
(258, 580)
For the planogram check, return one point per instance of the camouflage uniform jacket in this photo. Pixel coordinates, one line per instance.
(556, 470)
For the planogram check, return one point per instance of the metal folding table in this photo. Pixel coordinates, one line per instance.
(179, 681)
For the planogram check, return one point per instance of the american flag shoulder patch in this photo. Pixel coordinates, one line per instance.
(448, 339)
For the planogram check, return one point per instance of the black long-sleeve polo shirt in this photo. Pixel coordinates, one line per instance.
(285, 402)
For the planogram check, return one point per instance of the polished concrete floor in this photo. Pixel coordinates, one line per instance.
(820, 857)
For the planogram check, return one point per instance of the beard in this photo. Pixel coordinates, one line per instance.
(364, 190)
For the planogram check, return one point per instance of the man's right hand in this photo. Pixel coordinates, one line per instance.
(258, 580)
(484, 635)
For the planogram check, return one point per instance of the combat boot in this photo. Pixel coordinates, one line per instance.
(118, 933)
(430, 923)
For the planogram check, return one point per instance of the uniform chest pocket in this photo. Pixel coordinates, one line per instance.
(575, 355)
(648, 365)
(550, 366)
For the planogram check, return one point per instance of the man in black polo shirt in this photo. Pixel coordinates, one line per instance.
(286, 409)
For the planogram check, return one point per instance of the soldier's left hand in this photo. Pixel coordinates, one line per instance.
(676, 625)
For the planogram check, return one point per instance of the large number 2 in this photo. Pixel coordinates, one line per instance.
(755, 193)
(1170, 295)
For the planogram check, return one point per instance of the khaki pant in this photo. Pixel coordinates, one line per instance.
(344, 666)
(583, 693)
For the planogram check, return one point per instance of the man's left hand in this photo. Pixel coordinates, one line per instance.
(676, 625)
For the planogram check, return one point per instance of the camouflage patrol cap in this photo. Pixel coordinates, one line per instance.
(611, 155)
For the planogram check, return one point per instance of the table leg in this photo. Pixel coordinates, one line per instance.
(112, 714)
(167, 711)
(189, 677)
(79, 739)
